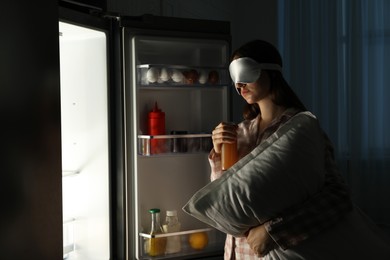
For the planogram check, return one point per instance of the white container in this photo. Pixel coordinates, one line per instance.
(171, 225)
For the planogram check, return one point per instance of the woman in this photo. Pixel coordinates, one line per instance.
(256, 72)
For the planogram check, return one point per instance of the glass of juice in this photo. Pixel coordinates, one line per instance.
(229, 155)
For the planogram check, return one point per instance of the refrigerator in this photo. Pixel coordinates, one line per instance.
(115, 71)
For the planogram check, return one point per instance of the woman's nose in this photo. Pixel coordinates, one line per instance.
(239, 86)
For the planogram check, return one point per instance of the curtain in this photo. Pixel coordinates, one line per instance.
(336, 57)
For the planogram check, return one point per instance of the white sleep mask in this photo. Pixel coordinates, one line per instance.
(247, 70)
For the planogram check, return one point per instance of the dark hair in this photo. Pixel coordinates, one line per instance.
(264, 52)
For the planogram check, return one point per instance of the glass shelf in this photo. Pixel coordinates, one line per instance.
(173, 144)
(213, 243)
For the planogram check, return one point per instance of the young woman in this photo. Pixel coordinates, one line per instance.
(256, 71)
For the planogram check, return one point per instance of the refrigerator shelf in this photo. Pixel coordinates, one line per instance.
(176, 233)
(212, 245)
(173, 136)
(68, 220)
(177, 75)
(70, 173)
(174, 144)
(147, 66)
(175, 86)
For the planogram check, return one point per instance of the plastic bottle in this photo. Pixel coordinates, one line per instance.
(172, 224)
(229, 155)
(156, 126)
(156, 245)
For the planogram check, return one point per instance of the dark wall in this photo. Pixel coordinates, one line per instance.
(85, 4)
(30, 151)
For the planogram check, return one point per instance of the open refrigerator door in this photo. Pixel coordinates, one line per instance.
(85, 146)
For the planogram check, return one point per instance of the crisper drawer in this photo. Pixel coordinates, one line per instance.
(182, 245)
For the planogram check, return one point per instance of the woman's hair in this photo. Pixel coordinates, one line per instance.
(283, 95)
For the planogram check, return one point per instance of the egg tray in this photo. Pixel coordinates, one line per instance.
(158, 75)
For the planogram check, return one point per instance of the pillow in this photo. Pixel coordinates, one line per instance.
(284, 170)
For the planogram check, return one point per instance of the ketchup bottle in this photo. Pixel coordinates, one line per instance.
(156, 126)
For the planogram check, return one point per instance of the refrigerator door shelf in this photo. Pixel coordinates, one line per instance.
(208, 241)
(173, 144)
(180, 233)
(66, 173)
(181, 67)
(173, 136)
(68, 237)
(176, 75)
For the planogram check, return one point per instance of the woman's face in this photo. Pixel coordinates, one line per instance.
(255, 91)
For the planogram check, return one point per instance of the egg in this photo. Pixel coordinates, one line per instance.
(203, 76)
(213, 77)
(191, 76)
(164, 75)
(152, 75)
(177, 76)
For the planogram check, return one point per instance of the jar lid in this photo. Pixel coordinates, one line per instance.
(171, 213)
(154, 210)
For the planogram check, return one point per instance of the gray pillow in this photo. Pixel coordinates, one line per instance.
(284, 170)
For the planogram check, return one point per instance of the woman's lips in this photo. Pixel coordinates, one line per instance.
(244, 92)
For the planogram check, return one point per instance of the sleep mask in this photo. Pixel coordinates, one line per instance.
(247, 70)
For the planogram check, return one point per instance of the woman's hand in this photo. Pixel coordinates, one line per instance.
(260, 241)
(223, 133)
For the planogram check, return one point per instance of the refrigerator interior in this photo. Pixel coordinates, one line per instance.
(167, 180)
(84, 126)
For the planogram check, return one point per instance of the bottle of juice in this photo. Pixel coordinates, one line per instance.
(156, 245)
(229, 155)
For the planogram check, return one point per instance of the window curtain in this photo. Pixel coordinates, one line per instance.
(336, 57)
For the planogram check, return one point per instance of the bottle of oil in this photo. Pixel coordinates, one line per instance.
(156, 245)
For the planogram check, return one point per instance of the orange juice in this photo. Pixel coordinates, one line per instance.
(229, 155)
